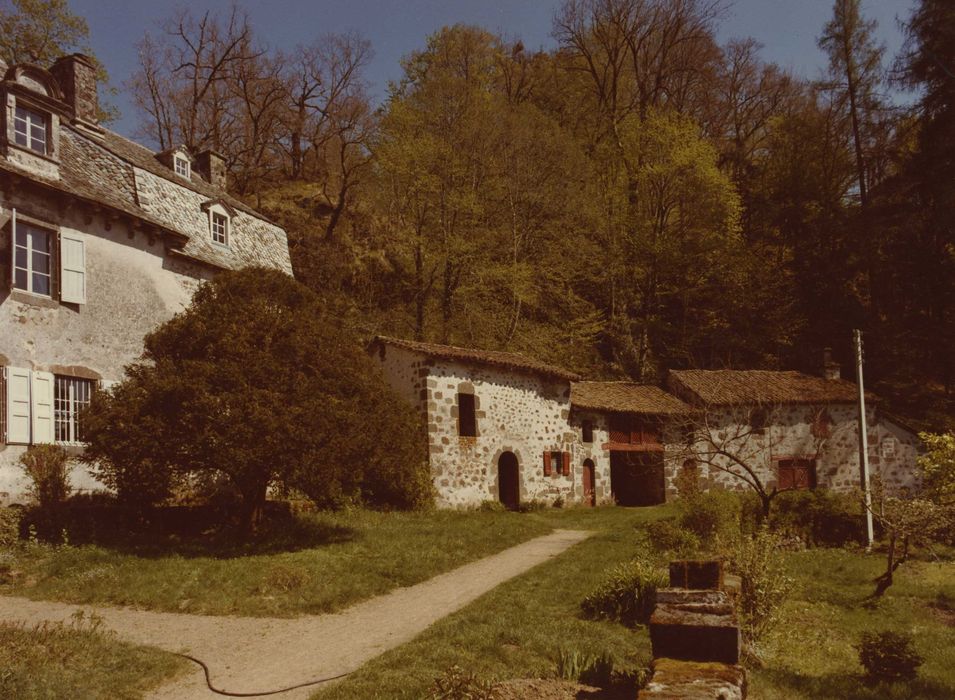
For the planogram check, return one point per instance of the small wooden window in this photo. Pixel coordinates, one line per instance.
(796, 474)
(588, 431)
(220, 229)
(467, 418)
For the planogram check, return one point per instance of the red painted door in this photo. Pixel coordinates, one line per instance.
(590, 487)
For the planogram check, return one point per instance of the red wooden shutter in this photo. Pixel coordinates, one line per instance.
(566, 466)
(547, 464)
(785, 480)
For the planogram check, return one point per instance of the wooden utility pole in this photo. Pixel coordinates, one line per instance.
(863, 441)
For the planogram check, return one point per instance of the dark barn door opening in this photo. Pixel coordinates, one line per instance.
(636, 478)
(508, 480)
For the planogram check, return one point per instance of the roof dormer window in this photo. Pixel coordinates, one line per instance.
(182, 166)
(220, 228)
(29, 129)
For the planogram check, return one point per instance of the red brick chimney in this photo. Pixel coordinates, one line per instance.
(76, 75)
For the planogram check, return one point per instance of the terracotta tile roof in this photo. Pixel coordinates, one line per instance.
(509, 360)
(626, 397)
(735, 387)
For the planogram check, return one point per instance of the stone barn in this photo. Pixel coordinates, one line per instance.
(498, 424)
(103, 240)
(631, 432)
(796, 430)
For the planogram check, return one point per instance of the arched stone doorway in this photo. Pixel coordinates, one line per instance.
(590, 483)
(508, 480)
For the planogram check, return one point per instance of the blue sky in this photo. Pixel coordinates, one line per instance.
(787, 28)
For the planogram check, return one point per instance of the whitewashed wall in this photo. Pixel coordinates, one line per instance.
(132, 286)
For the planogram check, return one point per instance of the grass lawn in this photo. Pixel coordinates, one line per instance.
(334, 560)
(811, 653)
(517, 630)
(77, 661)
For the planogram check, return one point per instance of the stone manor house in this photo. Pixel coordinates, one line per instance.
(104, 239)
(503, 426)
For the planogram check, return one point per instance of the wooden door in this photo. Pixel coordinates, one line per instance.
(590, 485)
(509, 480)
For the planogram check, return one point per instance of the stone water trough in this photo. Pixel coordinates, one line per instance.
(695, 636)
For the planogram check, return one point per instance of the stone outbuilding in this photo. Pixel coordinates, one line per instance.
(104, 240)
(503, 426)
(498, 424)
(631, 432)
(795, 430)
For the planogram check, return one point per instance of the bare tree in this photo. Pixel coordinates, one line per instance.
(740, 441)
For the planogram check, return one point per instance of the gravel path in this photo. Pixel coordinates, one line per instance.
(260, 655)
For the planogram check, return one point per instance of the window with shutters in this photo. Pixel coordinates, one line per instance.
(71, 395)
(30, 129)
(634, 430)
(32, 259)
(556, 463)
(467, 416)
(796, 474)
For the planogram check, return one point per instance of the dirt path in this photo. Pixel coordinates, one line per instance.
(260, 655)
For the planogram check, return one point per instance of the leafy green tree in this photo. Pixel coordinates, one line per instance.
(938, 467)
(255, 382)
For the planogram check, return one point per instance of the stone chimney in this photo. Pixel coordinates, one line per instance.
(76, 75)
(830, 370)
(211, 165)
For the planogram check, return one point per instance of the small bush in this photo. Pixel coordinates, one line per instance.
(757, 560)
(48, 467)
(10, 519)
(818, 518)
(889, 656)
(457, 684)
(627, 594)
(492, 507)
(532, 506)
(599, 671)
(714, 514)
(666, 536)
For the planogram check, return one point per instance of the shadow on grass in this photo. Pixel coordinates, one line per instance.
(855, 687)
(193, 531)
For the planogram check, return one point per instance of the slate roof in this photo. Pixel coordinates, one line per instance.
(739, 387)
(508, 360)
(626, 397)
(118, 174)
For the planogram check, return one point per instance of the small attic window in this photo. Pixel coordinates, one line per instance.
(220, 228)
(182, 167)
(29, 128)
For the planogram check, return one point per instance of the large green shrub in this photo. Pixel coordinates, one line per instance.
(715, 514)
(258, 382)
(889, 656)
(10, 519)
(627, 594)
(666, 536)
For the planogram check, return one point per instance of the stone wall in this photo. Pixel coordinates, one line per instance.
(517, 412)
(794, 431)
(132, 286)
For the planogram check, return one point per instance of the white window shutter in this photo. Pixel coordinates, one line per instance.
(18, 406)
(42, 405)
(13, 247)
(72, 268)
